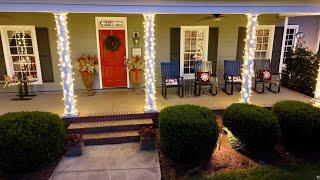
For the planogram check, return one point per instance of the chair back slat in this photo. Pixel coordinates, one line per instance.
(203, 66)
(170, 70)
(232, 67)
(262, 64)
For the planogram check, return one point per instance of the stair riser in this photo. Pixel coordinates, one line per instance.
(108, 129)
(111, 117)
(117, 140)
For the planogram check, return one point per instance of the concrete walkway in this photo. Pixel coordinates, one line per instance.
(110, 162)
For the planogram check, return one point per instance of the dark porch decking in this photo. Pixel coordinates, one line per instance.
(110, 102)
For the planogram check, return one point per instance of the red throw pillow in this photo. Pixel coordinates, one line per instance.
(265, 74)
(204, 77)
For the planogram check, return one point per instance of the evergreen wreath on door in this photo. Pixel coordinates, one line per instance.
(112, 43)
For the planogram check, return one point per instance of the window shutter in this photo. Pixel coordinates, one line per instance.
(175, 45)
(276, 50)
(241, 44)
(3, 69)
(213, 48)
(44, 55)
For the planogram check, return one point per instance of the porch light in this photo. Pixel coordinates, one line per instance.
(65, 64)
(149, 56)
(247, 67)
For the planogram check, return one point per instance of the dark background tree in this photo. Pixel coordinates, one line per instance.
(301, 70)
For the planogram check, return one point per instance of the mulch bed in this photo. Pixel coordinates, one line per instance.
(228, 157)
(43, 173)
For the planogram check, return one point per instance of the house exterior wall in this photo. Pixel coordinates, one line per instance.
(38, 20)
(310, 25)
(83, 37)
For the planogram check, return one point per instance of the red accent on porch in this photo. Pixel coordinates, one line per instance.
(113, 70)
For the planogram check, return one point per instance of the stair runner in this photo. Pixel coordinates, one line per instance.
(106, 131)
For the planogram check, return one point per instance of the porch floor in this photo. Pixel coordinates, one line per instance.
(126, 101)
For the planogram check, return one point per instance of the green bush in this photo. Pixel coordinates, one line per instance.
(254, 126)
(301, 70)
(30, 139)
(299, 122)
(188, 133)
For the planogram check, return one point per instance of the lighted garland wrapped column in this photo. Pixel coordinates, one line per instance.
(65, 64)
(317, 91)
(149, 56)
(247, 68)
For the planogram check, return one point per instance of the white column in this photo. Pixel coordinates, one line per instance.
(247, 68)
(65, 64)
(283, 43)
(317, 91)
(149, 56)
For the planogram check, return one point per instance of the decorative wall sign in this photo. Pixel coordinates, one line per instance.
(111, 22)
(136, 52)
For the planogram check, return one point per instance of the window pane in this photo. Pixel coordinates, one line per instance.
(13, 50)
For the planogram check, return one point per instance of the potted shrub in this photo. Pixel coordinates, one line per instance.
(147, 138)
(136, 65)
(74, 144)
(88, 67)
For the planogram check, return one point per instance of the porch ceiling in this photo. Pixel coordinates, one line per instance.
(163, 6)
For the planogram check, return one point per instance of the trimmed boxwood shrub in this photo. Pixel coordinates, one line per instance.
(188, 133)
(299, 122)
(30, 139)
(254, 126)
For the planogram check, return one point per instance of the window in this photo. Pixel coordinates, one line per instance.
(264, 42)
(21, 52)
(194, 46)
(291, 40)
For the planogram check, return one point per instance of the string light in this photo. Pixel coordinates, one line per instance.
(247, 67)
(317, 91)
(149, 57)
(63, 44)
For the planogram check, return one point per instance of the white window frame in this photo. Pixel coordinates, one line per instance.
(296, 30)
(6, 48)
(271, 29)
(182, 48)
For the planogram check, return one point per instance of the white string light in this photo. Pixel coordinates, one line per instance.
(63, 44)
(247, 67)
(317, 91)
(149, 56)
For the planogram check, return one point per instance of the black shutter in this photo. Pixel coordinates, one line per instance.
(213, 48)
(241, 44)
(276, 50)
(3, 69)
(175, 45)
(44, 55)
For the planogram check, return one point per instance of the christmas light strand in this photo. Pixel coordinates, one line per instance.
(247, 67)
(67, 83)
(149, 56)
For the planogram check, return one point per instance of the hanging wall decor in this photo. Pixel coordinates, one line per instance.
(112, 43)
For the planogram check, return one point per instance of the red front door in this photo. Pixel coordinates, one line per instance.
(113, 70)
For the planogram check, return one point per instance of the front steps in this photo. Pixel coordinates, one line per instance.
(105, 131)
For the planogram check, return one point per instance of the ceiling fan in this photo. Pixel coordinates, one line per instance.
(215, 17)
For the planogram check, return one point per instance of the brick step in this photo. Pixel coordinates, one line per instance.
(111, 138)
(111, 117)
(108, 126)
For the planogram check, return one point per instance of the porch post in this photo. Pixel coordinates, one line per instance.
(317, 91)
(283, 43)
(149, 56)
(247, 67)
(65, 64)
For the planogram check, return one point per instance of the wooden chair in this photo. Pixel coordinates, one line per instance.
(263, 74)
(204, 77)
(232, 75)
(171, 78)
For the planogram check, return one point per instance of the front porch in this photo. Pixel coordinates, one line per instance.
(125, 101)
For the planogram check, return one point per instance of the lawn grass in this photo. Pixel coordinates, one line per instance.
(266, 173)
